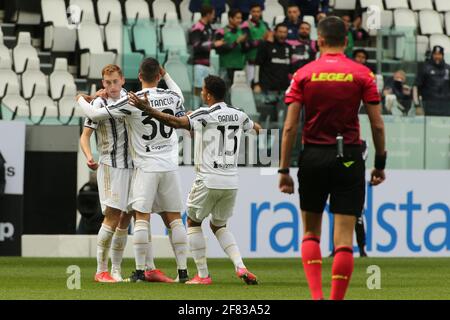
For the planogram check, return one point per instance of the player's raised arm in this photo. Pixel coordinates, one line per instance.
(167, 119)
(97, 114)
(171, 84)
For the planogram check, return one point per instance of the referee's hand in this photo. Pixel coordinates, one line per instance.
(377, 177)
(286, 184)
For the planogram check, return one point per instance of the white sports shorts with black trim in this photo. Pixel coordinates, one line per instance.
(203, 201)
(155, 192)
(113, 187)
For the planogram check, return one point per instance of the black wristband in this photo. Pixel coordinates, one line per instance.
(380, 161)
(284, 171)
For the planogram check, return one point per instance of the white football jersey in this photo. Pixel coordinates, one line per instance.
(111, 136)
(218, 132)
(153, 146)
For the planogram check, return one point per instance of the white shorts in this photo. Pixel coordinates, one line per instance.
(203, 201)
(155, 192)
(113, 187)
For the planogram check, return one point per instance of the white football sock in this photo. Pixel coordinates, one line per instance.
(119, 241)
(179, 243)
(197, 245)
(149, 260)
(104, 237)
(228, 244)
(140, 241)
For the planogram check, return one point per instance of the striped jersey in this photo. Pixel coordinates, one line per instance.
(153, 146)
(218, 132)
(111, 136)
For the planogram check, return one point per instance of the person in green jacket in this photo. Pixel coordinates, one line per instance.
(233, 52)
(350, 40)
(257, 31)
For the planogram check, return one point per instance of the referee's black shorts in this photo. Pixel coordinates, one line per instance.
(321, 175)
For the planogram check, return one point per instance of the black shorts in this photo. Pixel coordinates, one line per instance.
(321, 175)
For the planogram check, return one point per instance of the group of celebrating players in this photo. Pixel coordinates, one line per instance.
(137, 171)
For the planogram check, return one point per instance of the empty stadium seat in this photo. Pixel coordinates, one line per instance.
(68, 112)
(397, 4)
(61, 82)
(93, 57)
(7, 76)
(23, 51)
(367, 3)
(109, 11)
(404, 18)
(118, 38)
(242, 95)
(161, 8)
(5, 53)
(13, 106)
(58, 35)
(344, 4)
(442, 5)
(387, 21)
(87, 9)
(224, 20)
(272, 10)
(423, 44)
(447, 23)
(145, 38)
(430, 22)
(42, 108)
(176, 67)
(214, 61)
(186, 14)
(174, 38)
(136, 9)
(443, 41)
(32, 77)
(418, 5)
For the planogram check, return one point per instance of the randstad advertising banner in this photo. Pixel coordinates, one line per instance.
(407, 216)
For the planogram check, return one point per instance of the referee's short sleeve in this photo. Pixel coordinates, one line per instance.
(295, 91)
(370, 89)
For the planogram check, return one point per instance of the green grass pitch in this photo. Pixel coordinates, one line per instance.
(35, 278)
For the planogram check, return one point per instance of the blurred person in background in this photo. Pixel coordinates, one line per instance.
(358, 32)
(272, 75)
(313, 7)
(293, 21)
(257, 31)
(232, 53)
(245, 5)
(201, 38)
(304, 50)
(397, 94)
(218, 5)
(432, 86)
(350, 41)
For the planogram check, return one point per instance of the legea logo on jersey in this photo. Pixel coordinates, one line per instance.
(403, 227)
(6, 231)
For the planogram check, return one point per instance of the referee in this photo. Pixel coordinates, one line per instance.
(330, 91)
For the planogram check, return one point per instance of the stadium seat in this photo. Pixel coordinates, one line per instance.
(423, 44)
(136, 9)
(87, 9)
(109, 11)
(7, 76)
(447, 23)
(13, 106)
(214, 61)
(118, 38)
(404, 18)
(145, 38)
(345, 4)
(179, 69)
(186, 14)
(61, 82)
(387, 20)
(32, 77)
(418, 5)
(93, 57)
(161, 8)
(442, 5)
(68, 112)
(58, 35)
(224, 20)
(242, 95)
(397, 4)
(42, 108)
(24, 17)
(5, 53)
(443, 41)
(430, 22)
(367, 3)
(271, 11)
(174, 38)
(23, 51)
